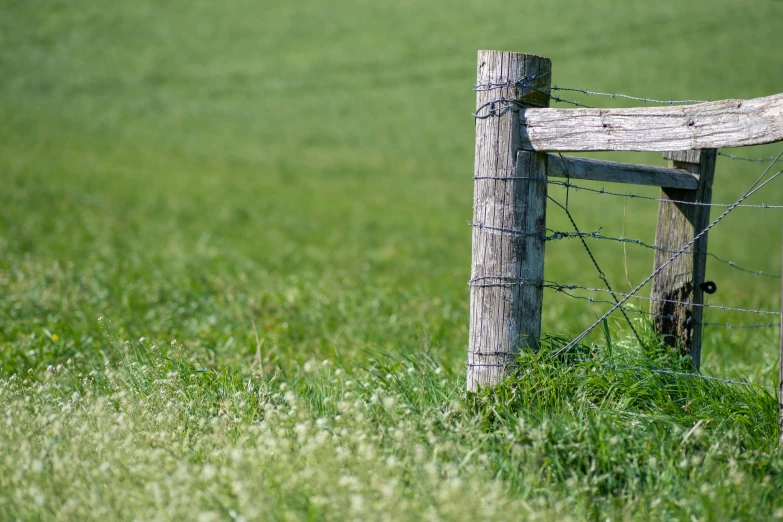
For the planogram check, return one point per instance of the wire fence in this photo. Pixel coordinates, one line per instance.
(755, 187)
(555, 88)
(619, 301)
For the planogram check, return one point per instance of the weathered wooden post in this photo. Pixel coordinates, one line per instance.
(509, 207)
(682, 280)
(780, 382)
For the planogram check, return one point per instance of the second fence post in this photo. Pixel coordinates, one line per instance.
(678, 287)
(509, 211)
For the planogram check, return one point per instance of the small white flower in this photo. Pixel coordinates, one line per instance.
(357, 503)
(208, 472)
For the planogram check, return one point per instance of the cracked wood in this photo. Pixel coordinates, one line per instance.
(712, 125)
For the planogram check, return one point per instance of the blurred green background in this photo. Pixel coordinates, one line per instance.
(301, 171)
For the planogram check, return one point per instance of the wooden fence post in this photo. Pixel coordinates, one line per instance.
(509, 209)
(780, 382)
(680, 324)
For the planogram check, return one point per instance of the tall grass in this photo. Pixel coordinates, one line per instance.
(160, 434)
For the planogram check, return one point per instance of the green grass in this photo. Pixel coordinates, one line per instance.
(283, 189)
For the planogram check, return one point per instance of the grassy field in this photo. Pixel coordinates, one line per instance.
(234, 254)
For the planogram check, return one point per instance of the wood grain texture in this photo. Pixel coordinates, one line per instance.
(504, 313)
(712, 125)
(685, 156)
(678, 223)
(596, 170)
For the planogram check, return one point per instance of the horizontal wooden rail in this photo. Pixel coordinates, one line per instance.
(596, 170)
(712, 125)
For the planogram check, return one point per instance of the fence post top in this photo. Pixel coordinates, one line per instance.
(484, 51)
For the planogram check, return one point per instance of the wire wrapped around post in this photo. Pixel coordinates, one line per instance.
(509, 206)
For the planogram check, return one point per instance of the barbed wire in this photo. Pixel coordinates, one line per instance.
(755, 187)
(502, 281)
(626, 96)
(526, 83)
(506, 281)
(602, 191)
(743, 158)
(508, 178)
(562, 289)
(523, 82)
(743, 326)
(505, 106)
(597, 235)
(723, 308)
(556, 235)
(558, 99)
(733, 265)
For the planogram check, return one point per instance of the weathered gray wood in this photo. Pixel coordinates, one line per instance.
(678, 223)
(596, 170)
(507, 267)
(727, 123)
(683, 156)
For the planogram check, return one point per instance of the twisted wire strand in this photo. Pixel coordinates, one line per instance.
(558, 99)
(563, 289)
(501, 281)
(744, 158)
(602, 191)
(626, 96)
(523, 82)
(723, 308)
(514, 232)
(507, 281)
(597, 235)
(743, 326)
(526, 83)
